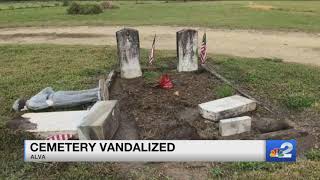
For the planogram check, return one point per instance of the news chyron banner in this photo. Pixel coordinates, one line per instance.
(159, 150)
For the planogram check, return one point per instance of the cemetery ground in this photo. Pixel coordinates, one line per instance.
(290, 89)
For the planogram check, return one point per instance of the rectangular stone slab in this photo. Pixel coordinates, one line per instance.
(101, 122)
(226, 107)
(50, 123)
(232, 126)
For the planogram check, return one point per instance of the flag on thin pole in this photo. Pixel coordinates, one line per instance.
(203, 49)
(151, 56)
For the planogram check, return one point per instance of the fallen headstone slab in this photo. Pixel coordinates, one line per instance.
(226, 107)
(51, 123)
(284, 134)
(265, 125)
(101, 122)
(228, 127)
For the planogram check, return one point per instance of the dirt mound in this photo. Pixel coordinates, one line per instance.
(155, 110)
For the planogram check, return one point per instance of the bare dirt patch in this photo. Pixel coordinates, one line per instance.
(290, 46)
(157, 112)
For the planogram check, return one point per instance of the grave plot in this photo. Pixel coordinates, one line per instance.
(149, 112)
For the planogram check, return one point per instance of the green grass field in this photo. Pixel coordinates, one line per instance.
(282, 15)
(26, 69)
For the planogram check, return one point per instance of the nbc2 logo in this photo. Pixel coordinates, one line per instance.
(281, 150)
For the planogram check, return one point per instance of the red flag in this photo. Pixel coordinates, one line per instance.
(165, 82)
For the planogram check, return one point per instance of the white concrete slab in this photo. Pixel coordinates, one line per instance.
(232, 126)
(49, 123)
(226, 107)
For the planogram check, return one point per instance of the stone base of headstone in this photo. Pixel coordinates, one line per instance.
(101, 122)
(129, 53)
(187, 50)
(232, 126)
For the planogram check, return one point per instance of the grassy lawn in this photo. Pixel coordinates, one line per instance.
(26, 69)
(275, 15)
(291, 85)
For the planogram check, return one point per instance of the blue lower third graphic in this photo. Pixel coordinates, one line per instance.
(281, 150)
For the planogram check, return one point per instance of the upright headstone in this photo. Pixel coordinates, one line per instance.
(187, 50)
(129, 53)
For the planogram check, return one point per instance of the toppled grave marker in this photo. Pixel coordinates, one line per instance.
(51, 123)
(228, 127)
(129, 53)
(187, 50)
(101, 122)
(226, 107)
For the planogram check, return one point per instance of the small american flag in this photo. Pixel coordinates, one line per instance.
(64, 136)
(151, 56)
(203, 49)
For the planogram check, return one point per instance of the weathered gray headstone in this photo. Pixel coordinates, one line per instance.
(232, 126)
(101, 122)
(187, 50)
(226, 107)
(129, 53)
